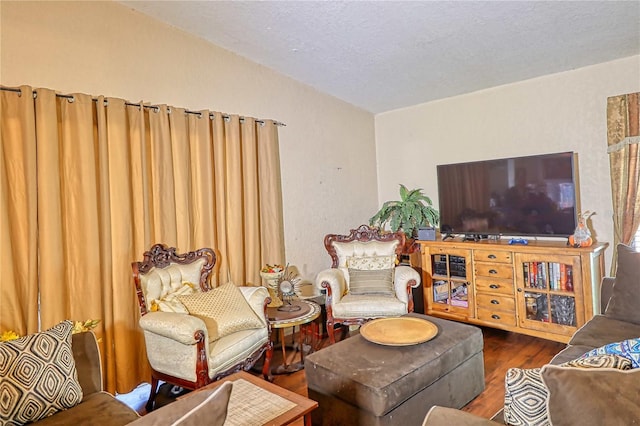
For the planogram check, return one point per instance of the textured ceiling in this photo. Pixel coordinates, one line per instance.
(386, 55)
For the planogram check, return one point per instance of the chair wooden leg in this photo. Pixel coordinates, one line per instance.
(266, 367)
(152, 394)
(330, 331)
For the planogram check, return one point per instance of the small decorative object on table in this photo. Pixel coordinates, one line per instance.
(581, 236)
(287, 291)
(272, 275)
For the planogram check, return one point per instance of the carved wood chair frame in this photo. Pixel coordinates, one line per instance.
(161, 256)
(363, 233)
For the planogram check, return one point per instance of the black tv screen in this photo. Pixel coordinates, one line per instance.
(520, 196)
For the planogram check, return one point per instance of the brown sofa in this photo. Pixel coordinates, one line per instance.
(586, 396)
(96, 402)
(100, 407)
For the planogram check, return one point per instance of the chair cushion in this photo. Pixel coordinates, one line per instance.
(369, 306)
(601, 329)
(38, 375)
(231, 350)
(224, 311)
(371, 282)
(370, 263)
(581, 397)
(92, 411)
(625, 297)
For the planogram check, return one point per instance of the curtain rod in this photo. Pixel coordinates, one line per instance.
(153, 107)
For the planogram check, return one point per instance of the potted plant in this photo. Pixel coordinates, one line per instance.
(412, 211)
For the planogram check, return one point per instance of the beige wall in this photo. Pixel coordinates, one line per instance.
(103, 48)
(327, 148)
(554, 113)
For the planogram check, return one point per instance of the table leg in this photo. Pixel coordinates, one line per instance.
(284, 351)
(302, 338)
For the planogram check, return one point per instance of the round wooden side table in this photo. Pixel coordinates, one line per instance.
(304, 318)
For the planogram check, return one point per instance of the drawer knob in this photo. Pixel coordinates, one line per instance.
(492, 256)
(494, 316)
(495, 302)
(494, 286)
(493, 271)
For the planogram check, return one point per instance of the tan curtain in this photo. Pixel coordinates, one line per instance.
(101, 181)
(623, 138)
(19, 223)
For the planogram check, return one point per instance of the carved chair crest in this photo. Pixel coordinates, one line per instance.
(363, 233)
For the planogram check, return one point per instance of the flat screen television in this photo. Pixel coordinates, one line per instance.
(520, 196)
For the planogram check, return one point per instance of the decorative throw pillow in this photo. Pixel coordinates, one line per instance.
(224, 311)
(370, 263)
(525, 401)
(38, 376)
(625, 297)
(595, 397)
(170, 302)
(600, 361)
(629, 349)
(525, 398)
(371, 282)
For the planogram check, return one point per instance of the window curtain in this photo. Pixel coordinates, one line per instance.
(89, 184)
(623, 138)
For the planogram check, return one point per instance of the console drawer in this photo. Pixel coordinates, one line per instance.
(495, 302)
(494, 270)
(492, 256)
(499, 317)
(494, 285)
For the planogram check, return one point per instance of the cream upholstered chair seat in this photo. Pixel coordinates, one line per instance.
(370, 256)
(189, 349)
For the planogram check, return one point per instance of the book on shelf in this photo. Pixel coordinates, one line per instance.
(552, 275)
(440, 291)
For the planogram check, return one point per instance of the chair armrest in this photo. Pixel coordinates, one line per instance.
(256, 297)
(404, 276)
(334, 279)
(176, 344)
(175, 326)
(444, 416)
(88, 366)
(606, 290)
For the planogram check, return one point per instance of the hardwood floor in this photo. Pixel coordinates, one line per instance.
(502, 350)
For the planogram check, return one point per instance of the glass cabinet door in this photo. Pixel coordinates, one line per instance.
(549, 292)
(450, 282)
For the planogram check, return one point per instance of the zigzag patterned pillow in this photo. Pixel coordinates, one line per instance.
(38, 376)
(629, 349)
(525, 398)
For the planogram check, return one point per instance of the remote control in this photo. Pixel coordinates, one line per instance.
(518, 241)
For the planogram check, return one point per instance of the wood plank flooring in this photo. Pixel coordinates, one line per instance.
(502, 350)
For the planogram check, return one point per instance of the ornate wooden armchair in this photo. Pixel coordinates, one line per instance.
(188, 348)
(364, 281)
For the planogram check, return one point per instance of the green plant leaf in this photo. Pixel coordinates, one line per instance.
(412, 211)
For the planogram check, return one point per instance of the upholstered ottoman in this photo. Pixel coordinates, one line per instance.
(357, 382)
